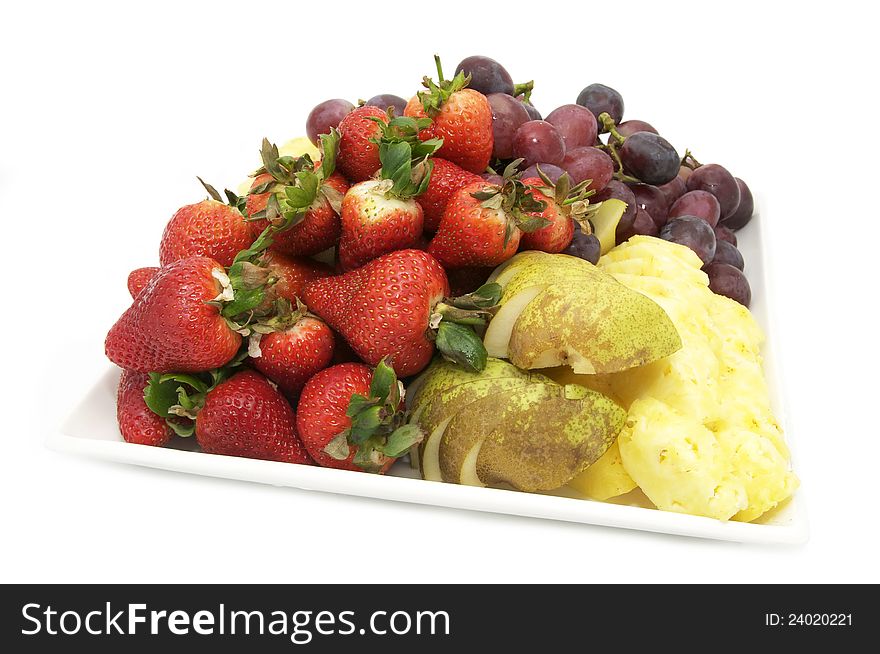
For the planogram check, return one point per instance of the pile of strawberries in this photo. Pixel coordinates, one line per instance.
(246, 341)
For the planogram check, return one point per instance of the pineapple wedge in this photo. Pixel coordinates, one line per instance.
(701, 437)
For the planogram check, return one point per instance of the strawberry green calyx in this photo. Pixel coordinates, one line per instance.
(294, 187)
(178, 397)
(573, 201)
(438, 93)
(453, 322)
(232, 199)
(295, 184)
(406, 129)
(405, 158)
(513, 199)
(379, 429)
(407, 179)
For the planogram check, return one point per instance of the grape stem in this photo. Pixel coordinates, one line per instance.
(689, 161)
(524, 89)
(611, 127)
(616, 139)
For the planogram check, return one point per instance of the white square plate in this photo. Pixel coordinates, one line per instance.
(91, 430)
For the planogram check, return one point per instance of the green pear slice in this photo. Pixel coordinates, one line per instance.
(500, 328)
(528, 279)
(541, 264)
(434, 413)
(534, 438)
(429, 452)
(592, 328)
(442, 375)
(605, 222)
(514, 261)
(553, 272)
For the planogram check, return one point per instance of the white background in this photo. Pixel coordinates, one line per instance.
(108, 112)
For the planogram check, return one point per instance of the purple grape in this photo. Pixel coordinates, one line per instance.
(693, 232)
(673, 190)
(640, 224)
(487, 75)
(722, 233)
(630, 127)
(553, 172)
(651, 199)
(617, 190)
(727, 253)
(650, 158)
(599, 99)
(493, 178)
(575, 124)
(684, 173)
(584, 246)
(716, 180)
(587, 162)
(386, 100)
(536, 141)
(701, 204)
(508, 114)
(729, 281)
(743, 214)
(326, 115)
(534, 114)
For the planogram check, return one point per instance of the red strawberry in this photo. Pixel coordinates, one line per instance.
(446, 179)
(380, 216)
(208, 228)
(359, 133)
(563, 205)
(350, 417)
(391, 307)
(136, 422)
(482, 224)
(375, 221)
(556, 236)
(293, 273)
(462, 118)
(300, 198)
(318, 230)
(290, 356)
(247, 416)
(175, 324)
(138, 278)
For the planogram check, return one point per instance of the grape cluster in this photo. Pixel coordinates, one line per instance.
(669, 196)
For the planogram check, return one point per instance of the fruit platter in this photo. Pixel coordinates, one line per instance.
(455, 300)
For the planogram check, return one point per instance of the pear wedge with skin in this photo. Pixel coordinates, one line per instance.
(442, 375)
(528, 280)
(592, 328)
(516, 260)
(497, 336)
(434, 413)
(534, 262)
(533, 438)
(539, 273)
(605, 222)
